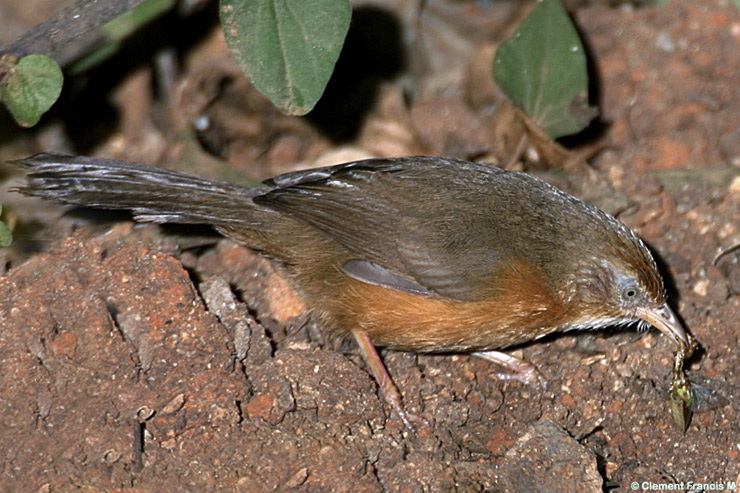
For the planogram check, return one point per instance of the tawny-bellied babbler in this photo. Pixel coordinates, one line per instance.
(416, 253)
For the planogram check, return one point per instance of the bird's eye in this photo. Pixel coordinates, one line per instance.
(629, 292)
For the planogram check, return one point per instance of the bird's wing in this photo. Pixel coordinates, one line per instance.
(406, 220)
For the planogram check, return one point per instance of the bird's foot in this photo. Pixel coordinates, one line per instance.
(388, 390)
(519, 369)
(392, 397)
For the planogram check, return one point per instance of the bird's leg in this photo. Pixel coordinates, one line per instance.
(388, 390)
(521, 370)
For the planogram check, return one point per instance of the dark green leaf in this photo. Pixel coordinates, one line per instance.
(287, 48)
(542, 68)
(33, 85)
(6, 237)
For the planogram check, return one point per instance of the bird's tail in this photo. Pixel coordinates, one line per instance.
(152, 194)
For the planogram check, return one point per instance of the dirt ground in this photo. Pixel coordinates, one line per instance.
(146, 358)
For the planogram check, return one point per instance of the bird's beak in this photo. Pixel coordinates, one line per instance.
(663, 319)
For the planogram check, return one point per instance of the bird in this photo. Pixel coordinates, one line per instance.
(421, 253)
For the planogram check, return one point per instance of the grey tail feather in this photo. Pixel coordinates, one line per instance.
(152, 194)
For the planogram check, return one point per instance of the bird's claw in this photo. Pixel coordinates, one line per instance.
(519, 370)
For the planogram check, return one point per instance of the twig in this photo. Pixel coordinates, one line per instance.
(70, 26)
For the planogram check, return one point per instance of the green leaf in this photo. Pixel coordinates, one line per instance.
(129, 22)
(287, 48)
(33, 85)
(682, 399)
(6, 237)
(117, 30)
(542, 68)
